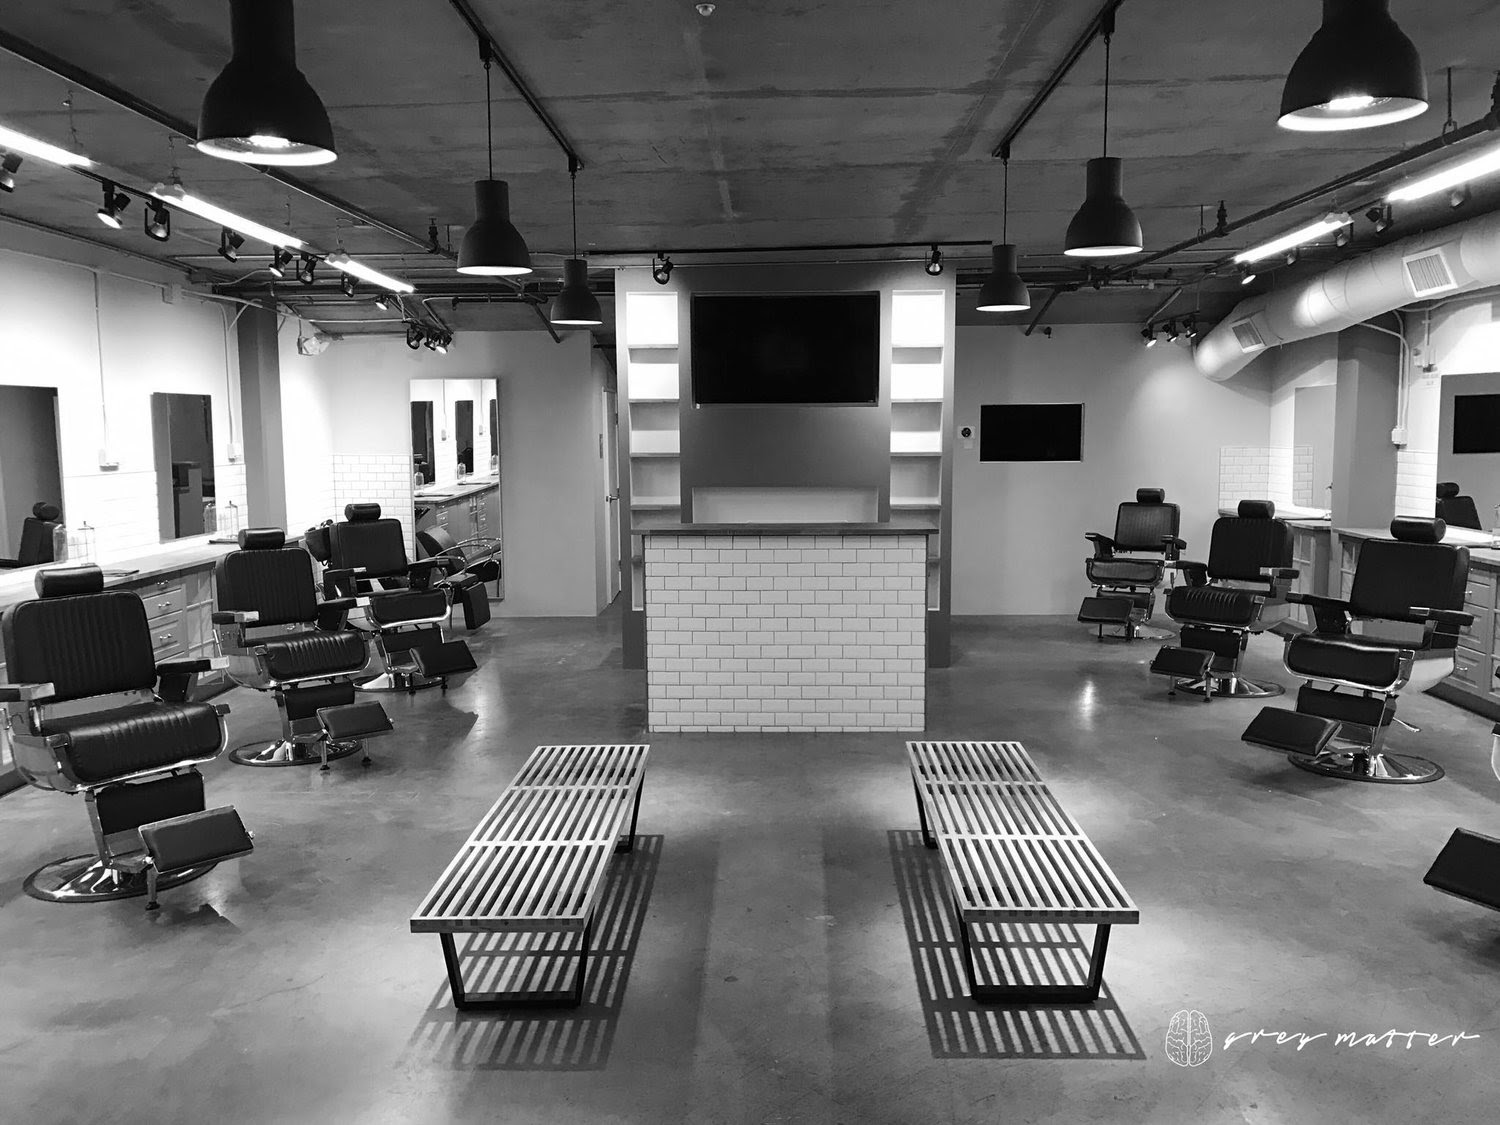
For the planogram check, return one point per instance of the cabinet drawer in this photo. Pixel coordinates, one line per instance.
(164, 602)
(167, 636)
(1480, 633)
(1479, 593)
(1471, 669)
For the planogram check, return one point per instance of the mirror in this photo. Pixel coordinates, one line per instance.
(30, 474)
(463, 436)
(1312, 442)
(421, 441)
(182, 431)
(494, 435)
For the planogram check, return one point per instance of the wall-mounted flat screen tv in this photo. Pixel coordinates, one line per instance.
(1050, 431)
(804, 349)
(1476, 423)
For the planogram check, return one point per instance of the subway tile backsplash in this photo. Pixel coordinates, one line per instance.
(381, 478)
(1416, 483)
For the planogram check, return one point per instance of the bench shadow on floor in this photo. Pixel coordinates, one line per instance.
(959, 1028)
(545, 1038)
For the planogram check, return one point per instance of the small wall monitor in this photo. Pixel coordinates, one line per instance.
(1051, 431)
(805, 349)
(1476, 423)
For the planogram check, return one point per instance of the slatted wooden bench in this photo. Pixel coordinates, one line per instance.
(1011, 854)
(537, 860)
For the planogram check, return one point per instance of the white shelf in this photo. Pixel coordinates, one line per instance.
(654, 443)
(916, 504)
(654, 503)
(656, 454)
(912, 401)
(916, 443)
(915, 453)
(651, 320)
(653, 400)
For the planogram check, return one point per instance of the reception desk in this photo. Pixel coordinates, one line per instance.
(780, 627)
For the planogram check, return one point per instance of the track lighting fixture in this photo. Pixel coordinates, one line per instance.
(575, 304)
(10, 164)
(1359, 70)
(934, 262)
(1171, 331)
(229, 244)
(280, 260)
(382, 302)
(1190, 329)
(413, 336)
(1341, 239)
(1003, 290)
(1292, 256)
(1458, 196)
(1104, 226)
(661, 269)
(1247, 273)
(157, 220)
(1382, 216)
(261, 109)
(115, 201)
(19, 144)
(1303, 234)
(348, 284)
(492, 246)
(441, 342)
(1148, 334)
(306, 268)
(178, 196)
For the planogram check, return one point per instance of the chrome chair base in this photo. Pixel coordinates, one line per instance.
(1362, 764)
(399, 680)
(1231, 687)
(87, 878)
(293, 752)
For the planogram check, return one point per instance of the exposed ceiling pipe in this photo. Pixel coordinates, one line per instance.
(1450, 261)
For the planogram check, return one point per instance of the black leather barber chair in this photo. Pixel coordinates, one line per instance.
(1127, 568)
(279, 638)
(1397, 631)
(36, 537)
(1468, 867)
(400, 603)
(1456, 510)
(1249, 570)
(470, 565)
(90, 711)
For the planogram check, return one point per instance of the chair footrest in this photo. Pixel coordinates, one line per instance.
(1468, 867)
(1182, 663)
(1280, 729)
(350, 721)
(200, 837)
(445, 659)
(1106, 611)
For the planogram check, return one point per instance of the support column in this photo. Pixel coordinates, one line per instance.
(1364, 474)
(260, 411)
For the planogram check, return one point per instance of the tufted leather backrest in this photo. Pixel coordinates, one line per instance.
(1140, 525)
(1391, 576)
(1241, 546)
(377, 545)
(438, 541)
(84, 644)
(277, 584)
(36, 535)
(1459, 511)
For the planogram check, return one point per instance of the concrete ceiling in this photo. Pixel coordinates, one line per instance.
(771, 123)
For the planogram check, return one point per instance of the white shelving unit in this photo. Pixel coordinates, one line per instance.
(653, 394)
(918, 336)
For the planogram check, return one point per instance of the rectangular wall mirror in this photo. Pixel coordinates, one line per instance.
(182, 431)
(30, 475)
(494, 432)
(463, 435)
(421, 440)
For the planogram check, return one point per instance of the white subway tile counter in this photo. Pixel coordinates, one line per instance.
(772, 628)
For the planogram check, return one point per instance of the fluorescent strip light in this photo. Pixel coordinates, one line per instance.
(1329, 222)
(1461, 172)
(341, 261)
(180, 198)
(12, 141)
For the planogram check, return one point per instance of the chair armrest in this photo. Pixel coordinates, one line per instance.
(1104, 546)
(332, 613)
(174, 678)
(1455, 617)
(10, 564)
(421, 571)
(1331, 615)
(338, 605)
(1275, 573)
(1197, 572)
(1170, 545)
(187, 667)
(26, 693)
(340, 581)
(235, 617)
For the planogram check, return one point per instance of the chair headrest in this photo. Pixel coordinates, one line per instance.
(1150, 495)
(1257, 509)
(262, 539)
(315, 540)
(67, 581)
(1447, 489)
(361, 513)
(1412, 529)
(45, 511)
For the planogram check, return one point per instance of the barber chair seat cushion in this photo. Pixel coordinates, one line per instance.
(314, 654)
(142, 737)
(1123, 570)
(1215, 605)
(407, 605)
(1354, 660)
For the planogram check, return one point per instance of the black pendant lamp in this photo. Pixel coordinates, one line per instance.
(260, 109)
(492, 245)
(1003, 290)
(1359, 70)
(1105, 226)
(575, 305)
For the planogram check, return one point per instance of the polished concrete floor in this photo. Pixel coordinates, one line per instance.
(776, 950)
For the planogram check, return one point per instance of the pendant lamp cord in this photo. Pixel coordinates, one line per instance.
(573, 174)
(1107, 38)
(489, 118)
(1005, 201)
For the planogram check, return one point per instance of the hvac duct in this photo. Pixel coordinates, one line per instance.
(1456, 259)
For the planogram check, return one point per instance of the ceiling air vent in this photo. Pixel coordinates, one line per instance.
(1427, 273)
(1247, 335)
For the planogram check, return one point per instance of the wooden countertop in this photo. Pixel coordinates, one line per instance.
(448, 493)
(785, 529)
(1476, 541)
(169, 558)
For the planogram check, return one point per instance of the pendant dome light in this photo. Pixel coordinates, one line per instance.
(492, 245)
(575, 304)
(1105, 226)
(260, 109)
(1003, 290)
(1359, 70)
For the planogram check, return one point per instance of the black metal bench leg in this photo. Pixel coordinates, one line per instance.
(455, 978)
(495, 1003)
(922, 816)
(583, 960)
(1086, 993)
(628, 844)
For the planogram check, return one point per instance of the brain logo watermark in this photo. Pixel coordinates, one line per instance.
(1190, 1041)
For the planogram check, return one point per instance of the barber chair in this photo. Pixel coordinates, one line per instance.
(36, 537)
(1127, 568)
(279, 638)
(400, 603)
(1468, 867)
(1456, 510)
(1225, 602)
(90, 711)
(1397, 631)
(470, 565)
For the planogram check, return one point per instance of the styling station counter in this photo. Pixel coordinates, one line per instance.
(785, 627)
(467, 509)
(175, 582)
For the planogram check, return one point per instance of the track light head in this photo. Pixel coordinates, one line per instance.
(1148, 335)
(1172, 333)
(280, 259)
(115, 201)
(1247, 273)
(1190, 329)
(347, 285)
(1458, 196)
(1293, 256)
(229, 244)
(1382, 216)
(661, 270)
(10, 163)
(934, 262)
(306, 268)
(413, 336)
(382, 302)
(157, 220)
(1341, 239)
(440, 343)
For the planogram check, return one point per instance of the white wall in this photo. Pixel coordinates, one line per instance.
(1464, 340)
(1150, 420)
(308, 415)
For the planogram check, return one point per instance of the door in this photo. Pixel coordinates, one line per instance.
(608, 449)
